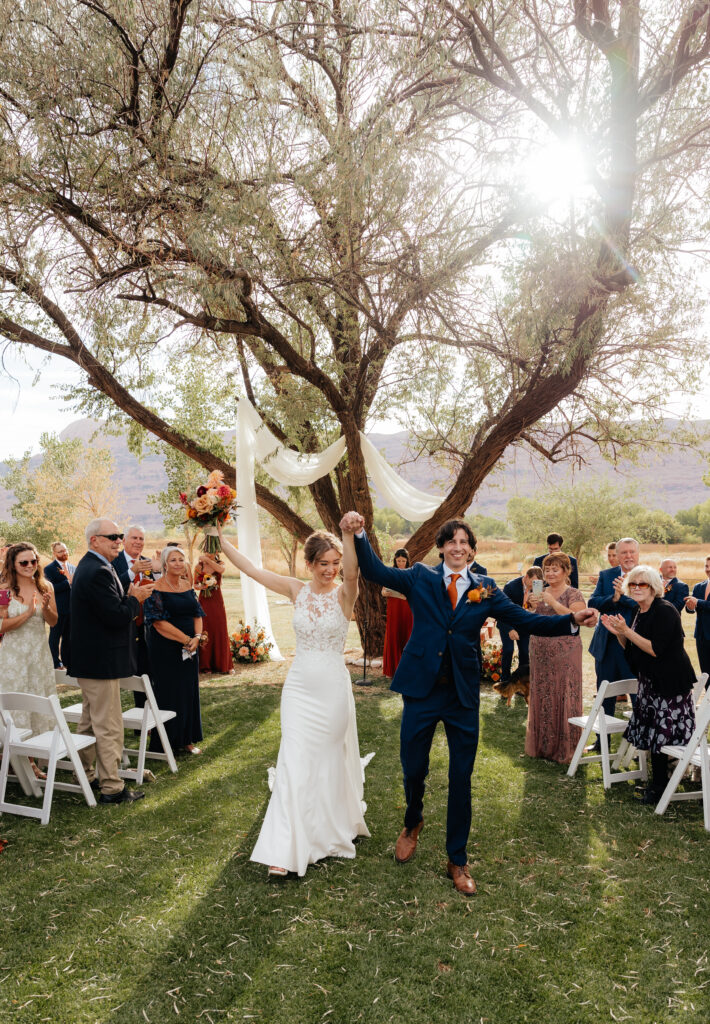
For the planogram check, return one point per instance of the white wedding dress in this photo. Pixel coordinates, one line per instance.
(26, 665)
(316, 807)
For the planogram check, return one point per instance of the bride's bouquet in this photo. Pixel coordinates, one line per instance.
(212, 503)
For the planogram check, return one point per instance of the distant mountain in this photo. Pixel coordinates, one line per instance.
(667, 481)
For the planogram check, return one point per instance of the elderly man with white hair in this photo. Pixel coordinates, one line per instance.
(102, 616)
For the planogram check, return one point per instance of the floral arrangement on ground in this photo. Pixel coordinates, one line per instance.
(249, 644)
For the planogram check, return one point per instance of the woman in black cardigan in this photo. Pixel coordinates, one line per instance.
(654, 648)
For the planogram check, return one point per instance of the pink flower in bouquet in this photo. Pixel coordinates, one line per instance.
(215, 478)
(243, 652)
(224, 491)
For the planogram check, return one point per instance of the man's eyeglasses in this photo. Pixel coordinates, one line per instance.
(27, 561)
(639, 586)
(110, 536)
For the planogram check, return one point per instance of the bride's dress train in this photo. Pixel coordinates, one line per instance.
(316, 807)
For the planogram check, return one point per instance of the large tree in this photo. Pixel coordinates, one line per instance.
(332, 201)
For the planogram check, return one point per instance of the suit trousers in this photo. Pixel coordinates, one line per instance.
(101, 717)
(703, 649)
(613, 666)
(420, 717)
(59, 640)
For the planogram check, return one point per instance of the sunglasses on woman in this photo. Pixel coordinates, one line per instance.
(639, 586)
(27, 561)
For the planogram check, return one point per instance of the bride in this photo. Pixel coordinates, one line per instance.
(316, 807)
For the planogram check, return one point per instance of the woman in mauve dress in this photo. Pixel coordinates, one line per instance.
(555, 669)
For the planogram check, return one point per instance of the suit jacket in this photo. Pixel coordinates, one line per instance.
(438, 626)
(62, 586)
(474, 566)
(573, 576)
(675, 593)
(702, 623)
(514, 590)
(101, 621)
(122, 563)
(602, 600)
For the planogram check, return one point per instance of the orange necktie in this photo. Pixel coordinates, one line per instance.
(452, 591)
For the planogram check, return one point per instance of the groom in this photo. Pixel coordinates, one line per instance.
(438, 674)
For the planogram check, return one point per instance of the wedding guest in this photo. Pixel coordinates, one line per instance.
(133, 566)
(554, 545)
(610, 552)
(517, 590)
(399, 620)
(102, 617)
(188, 568)
(555, 669)
(609, 662)
(699, 604)
(59, 572)
(653, 643)
(215, 654)
(26, 603)
(173, 619)
(674, 590)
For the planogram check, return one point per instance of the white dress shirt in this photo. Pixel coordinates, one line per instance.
(462, 583)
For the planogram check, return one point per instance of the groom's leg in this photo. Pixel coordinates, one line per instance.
(461, 726)
(419, 719)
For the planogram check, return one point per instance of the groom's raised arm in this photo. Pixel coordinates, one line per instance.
(370, 565)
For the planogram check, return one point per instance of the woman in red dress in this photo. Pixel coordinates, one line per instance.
(216, 655)
(399, 619)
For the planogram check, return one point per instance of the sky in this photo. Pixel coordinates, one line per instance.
(29, 407)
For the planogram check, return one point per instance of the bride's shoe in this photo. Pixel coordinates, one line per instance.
(277, 872)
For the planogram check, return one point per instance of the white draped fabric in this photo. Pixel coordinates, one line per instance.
(255, 442)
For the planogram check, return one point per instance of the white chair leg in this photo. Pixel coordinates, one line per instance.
(49, 788)
(672, 785)
(170, 757)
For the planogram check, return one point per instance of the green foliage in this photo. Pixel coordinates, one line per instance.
(488, 526)
(697, 521)
(391, 523)
(652, 526)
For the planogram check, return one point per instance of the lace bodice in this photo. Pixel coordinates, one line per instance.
(319, 622)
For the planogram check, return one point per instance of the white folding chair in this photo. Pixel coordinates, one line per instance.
(604, 726)
(144, 719)
(693, 754)
(52, 746)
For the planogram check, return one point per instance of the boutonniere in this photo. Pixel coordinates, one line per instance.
(478, 594)
(667, 587)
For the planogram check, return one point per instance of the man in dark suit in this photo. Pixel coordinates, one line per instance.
(438, 674)
(59, 572)
(699, 604)
(101, 629)
(674, 590)
(554, 545)
(516, 590)
(609, 660)
(133, 567)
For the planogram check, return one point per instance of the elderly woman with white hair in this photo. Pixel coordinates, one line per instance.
(654, 648)
(173, 620)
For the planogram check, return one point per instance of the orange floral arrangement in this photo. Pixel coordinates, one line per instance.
(491, 660)
(249, 644)
(212, 503)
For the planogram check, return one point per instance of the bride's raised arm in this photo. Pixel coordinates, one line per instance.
(287, 586)
(347, 595)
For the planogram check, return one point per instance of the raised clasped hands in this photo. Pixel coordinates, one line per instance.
(141, 593)
(691, 603)
(352, 522)
(616, 624)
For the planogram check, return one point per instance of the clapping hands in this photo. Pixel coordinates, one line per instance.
(616, 624)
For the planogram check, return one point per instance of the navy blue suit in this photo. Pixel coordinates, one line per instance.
(573, 576)
(606, 650)
(515, 591)
(702, 626)
(675, 593)
(59, 642)
(438, 677)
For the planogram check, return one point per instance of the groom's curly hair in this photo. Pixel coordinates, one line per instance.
(447, 531)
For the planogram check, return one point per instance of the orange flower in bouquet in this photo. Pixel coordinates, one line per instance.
(249, 644)
(212, 503)
(491, 661)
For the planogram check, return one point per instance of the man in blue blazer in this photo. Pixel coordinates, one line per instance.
(699, 604)
(554, 546)
(59, 572)
(516, 591)
(608, 654)
(438, 674)
(674, 590)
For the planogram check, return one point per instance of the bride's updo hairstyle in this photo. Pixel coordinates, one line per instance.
(318, 543)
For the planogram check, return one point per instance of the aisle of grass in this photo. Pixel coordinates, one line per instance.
(591, 908)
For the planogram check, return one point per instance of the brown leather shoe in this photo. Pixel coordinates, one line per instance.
(407, 843)
(461, 878)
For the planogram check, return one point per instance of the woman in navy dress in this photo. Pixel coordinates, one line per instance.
(173, 620)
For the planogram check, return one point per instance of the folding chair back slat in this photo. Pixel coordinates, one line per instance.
(145, 719)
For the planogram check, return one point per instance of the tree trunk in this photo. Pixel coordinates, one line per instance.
(371, 620)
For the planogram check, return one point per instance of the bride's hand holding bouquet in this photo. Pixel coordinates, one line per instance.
(210, 506)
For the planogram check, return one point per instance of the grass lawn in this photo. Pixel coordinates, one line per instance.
(590, 907)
